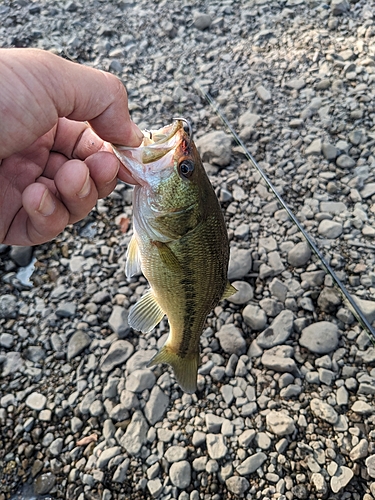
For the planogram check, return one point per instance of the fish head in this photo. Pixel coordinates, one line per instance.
(170, 194)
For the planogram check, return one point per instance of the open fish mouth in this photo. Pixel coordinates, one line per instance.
(156, 149)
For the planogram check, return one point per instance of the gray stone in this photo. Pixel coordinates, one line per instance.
(156, 405)
(34, 353)
(279, 423)
(245, 439)
(370, 464)
(329, 151)
(339, 7)
(202, 21)
(77, 343)
(118, 321)
(324, 411)
(254, 317)
(139, 360)
(180, 474)
(106, 455)
(330, 229)
(314, 148)
(44, 483)
(56, 447)
(244, 293)
(216, 447)
(299, 255)
(213, 423)
(76, 424)
(6, 340)
(329, 300)
(117, 354)
(278, 289)
(36, 401)
(359, 451)
(321, 337)
(136, 434)
(231, 340)
(175, 454)
(155, 487)
(129, 400)
(367, 307)
(8, 306)
(120, 473)
(333, 207)
(237, 485)
(296, 84)
(342, 477)
(368, 190)
(215, 147)
(279, 331)
(279, 359)
(362, 408)
(139, 380)
(345, 161)
(240, 263)
(251, 464)
(13, 363)
(263, 94)
(66, 309)
(21, 255)
(248, 119)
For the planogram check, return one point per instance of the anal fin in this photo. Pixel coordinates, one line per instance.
(185, 368)
(145, 314)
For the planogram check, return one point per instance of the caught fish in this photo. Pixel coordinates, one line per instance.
(180, 244)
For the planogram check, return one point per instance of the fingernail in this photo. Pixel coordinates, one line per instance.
(137, 132)
(47, 205)
(85, 191)
(114, 177)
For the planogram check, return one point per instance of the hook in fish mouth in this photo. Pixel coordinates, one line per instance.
(187, 126)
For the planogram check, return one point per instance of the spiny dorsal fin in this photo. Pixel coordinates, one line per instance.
(185, 369)
(145, 314)
(229, 291)
(133, 260)
(167, 256)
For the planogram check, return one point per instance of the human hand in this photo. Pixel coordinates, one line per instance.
(53, 166)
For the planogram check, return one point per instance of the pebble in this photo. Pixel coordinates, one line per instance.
(44, 483)
(136, 434)
(251, 464)
(156, 405)
(244, 293)
(216, 447)
(299, 255)
(279, 359)
(240, 263)
(215, 147)
(237, 485)
(139, 380)
(231, 340)
(117, 354)
(180, 474)
(330, 229)
(324, 411)
(359, 451)
(36, 401)
(279, 423)
(77, 344)
(175, 454)
(202, 21)
(320, 337)
(107, 455)
(118, 321)
(263, 94)
(66, 309)
(21, 255)
(8, 306)
(279, 331)
(341, 479)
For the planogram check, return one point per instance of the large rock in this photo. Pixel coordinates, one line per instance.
(215, 147)
(279, 423)
(117, 354)
(278, 332)
(231, 340)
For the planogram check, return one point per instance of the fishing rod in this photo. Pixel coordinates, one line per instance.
(361, 318)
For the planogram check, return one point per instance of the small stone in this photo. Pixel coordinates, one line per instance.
(329, 151)
(345, 161)
(237, 485)
(255, 317)
(156, 405)
(56, 447)
(77, 344)
(341, 479)
(320, 338)
(279, 424)
(324, 411)
(367, 307)
(180, 474)
(314, 148)
(136, 434)
(330, 229)
(263, 94)
(299, 255)
(44, 483)
(362, 408)
(370, 464)
(155, 487)
(339, 7)
(118, 321)
(231, 340)
(66, 309)
(248, 119)
(107, 455)
(359, 451)
(216, 447)
(297, 84)
(246, 438)
(279, 359)
(175, 454)
(329, 300)
(368, 190)
(213, 423)
(244, 293)
(251, 464)
(8, 306)
(240, 263)
(215, 147)
(21, 255)
(36, 401)
(139, 380)
(202, 21)
(278, 289)
(279, 331)
(117, 354)
(6, 340)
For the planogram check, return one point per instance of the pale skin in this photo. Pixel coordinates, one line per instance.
(55, 117)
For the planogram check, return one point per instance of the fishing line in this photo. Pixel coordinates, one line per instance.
(355, 309)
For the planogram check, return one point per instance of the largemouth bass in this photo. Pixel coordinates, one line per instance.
(180, 244)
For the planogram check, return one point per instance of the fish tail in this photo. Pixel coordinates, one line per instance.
(185, 368)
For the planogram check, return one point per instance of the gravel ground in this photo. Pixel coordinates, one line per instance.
(285, 407)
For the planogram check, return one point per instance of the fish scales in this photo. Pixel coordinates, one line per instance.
(180, 242)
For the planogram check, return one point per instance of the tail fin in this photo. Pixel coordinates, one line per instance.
(185, 368)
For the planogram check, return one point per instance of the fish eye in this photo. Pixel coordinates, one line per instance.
(186, 168)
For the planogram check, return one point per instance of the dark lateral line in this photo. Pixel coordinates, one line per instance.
(361, 318)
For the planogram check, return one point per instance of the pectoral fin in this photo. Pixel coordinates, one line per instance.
(145, 314)
(185, 368)
(167, 256)
(229, 291)
(133, 260)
